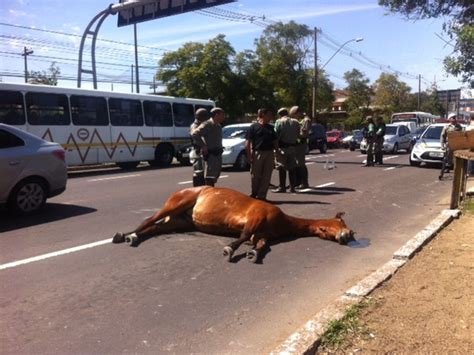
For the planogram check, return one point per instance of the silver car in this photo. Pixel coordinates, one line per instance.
(396, 137)
(32, 170)
(428, 147)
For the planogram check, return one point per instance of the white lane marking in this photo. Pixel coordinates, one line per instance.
(190, 181)
(324, 185)
(54, 254)
(320, 156)
(310, 163)
(114, 178)
(393, 167)
(391, 157)
(362, 155)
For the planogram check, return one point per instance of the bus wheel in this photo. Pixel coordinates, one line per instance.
(126, 165)
(163, 155)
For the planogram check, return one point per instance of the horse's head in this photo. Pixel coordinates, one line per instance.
(334, 229)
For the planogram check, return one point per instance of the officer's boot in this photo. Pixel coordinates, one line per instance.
(304, 178)
(210, 182)
(292, 176)
(198, 180)
(282, 176)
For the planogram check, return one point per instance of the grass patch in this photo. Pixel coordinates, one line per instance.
(469, 205)
(339, 330)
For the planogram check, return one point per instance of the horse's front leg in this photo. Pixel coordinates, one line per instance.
(259, 248)
(232, 247)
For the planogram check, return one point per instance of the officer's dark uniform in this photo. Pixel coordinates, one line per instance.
(301, 148)
(198, 165)
(379, 139)
(370, 138)
(453, 126)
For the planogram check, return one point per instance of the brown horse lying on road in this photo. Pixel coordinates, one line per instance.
(224, 211)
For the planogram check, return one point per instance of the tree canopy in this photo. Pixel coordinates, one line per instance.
(459, 26)
(45, 77)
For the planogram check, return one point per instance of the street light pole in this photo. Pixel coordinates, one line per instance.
(339, 49)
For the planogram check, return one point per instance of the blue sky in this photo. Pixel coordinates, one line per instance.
(408, 47)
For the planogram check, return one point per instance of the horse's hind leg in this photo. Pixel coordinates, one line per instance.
(177, 204)
(232, 247)
(169, 225)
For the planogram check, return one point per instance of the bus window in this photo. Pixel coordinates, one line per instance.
(89, 111)
(183, 115)
(47, 109)
(158, 114)
(124, 112)
(11, 108)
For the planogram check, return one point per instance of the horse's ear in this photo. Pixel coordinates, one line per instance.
(340, 214)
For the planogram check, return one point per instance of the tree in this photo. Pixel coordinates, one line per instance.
(283, 51)
(360, 93)
(459, 27)
(45, 77)
(390, 95)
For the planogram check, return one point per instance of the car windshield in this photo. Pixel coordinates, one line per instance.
(433, 132)
(234, 132)
(420, 130)
(390, 130)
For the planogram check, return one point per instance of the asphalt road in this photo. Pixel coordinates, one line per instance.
(176, 293)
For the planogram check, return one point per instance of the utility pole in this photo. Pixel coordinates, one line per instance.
(136, 58)
(315, 79)
(131, 73)
(26, 53)
(419, 91)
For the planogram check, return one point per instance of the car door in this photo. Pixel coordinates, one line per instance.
(11, 162)
(404, 137)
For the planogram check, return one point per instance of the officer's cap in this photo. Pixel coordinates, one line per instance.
(282, 111)
(201, 114)
(216, 110)
(294, 110)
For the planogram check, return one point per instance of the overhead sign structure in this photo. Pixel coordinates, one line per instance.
(145, 10)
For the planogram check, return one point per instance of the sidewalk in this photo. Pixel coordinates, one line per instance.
(427, 307)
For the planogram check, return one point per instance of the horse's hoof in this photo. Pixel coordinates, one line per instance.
(252, 256)
(228, 252)
(132, 240)
(118, 238)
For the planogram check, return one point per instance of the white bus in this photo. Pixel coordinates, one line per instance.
(419, 118)
(98, 127)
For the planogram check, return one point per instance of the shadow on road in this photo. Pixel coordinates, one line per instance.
(52, 212)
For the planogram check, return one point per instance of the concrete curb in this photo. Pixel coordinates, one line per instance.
(307, 338)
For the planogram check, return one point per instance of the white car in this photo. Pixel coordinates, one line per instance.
(427, 148)
(234, 145)
(396, 137)
(32, 170)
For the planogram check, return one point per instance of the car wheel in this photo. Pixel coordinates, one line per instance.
(363, 151)
(163, 155)
(413, 163)
(324, 148)
(126, 165)
(242, 162)
(395, 149)
(28, 196)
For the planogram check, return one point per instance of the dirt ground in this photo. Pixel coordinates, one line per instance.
(427, 307)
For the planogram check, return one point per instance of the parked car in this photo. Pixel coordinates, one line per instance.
(396, 137)
(357, 137)
(428, 147)
(334, 138)
(32, 170)
(317, 138)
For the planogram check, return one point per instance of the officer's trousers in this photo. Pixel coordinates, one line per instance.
(261, 172)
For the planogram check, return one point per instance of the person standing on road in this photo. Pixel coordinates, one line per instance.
(200, 116)
(260, 142)
(208, 137)
(453, 126)
(301, 147)
(470, 163)
(379, 139)
(370, 138)
(287, 130)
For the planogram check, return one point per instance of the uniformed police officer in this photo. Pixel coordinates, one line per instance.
(198, 165)
(287, 130)
(379, 139)
(301, 147)
(260, 143)
(208, 136)
(453, 126)
(370, 138)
